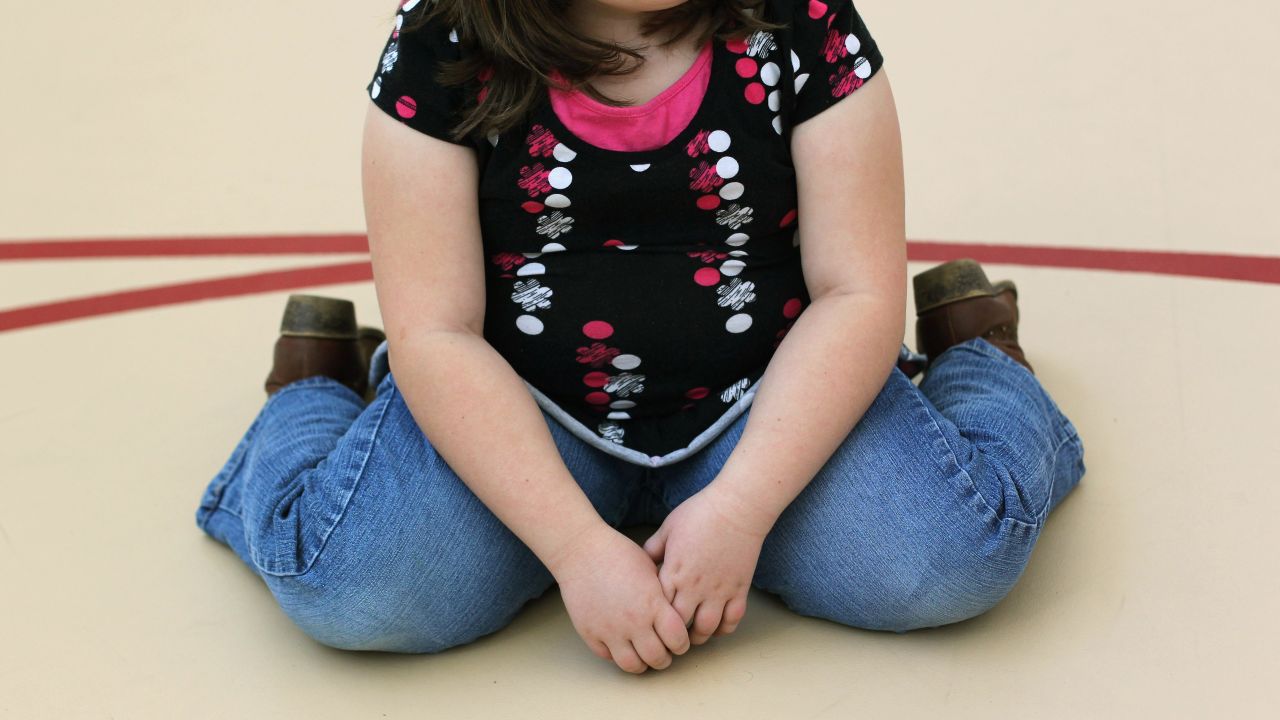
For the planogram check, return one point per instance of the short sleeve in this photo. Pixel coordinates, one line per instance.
(404, 84)
(832, 54)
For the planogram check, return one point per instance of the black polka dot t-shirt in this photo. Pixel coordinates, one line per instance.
(641, 295)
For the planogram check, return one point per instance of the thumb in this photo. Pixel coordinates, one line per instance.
(656, 545)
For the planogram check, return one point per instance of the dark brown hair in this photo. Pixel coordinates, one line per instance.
(514, 45)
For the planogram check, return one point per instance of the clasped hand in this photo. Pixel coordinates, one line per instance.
(631, 611)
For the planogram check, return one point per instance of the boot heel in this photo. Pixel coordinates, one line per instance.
(950, 282)
(317, 316)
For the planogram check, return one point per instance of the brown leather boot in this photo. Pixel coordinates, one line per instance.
(955, 302)
(319, 336)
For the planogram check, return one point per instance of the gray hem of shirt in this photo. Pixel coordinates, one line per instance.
(588, 436)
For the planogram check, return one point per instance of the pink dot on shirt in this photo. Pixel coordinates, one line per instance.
(613, 243)
(406, 107)
(791, 308)
(755, 93)
(598, 398)
(736, 46)
(533, 207)
(706, 277)
(787, 219)
(595, 379)
(746, 67)
(709, 202)
(597, 329)
(696, 393)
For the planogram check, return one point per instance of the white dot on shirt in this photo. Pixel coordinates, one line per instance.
(852, 44)
(377, 88)
(862, 68)
(553, 247)
(563, 153)
(732, 267)
(719, 141)
(529, 325)
(557, 200)
(560, 178)
(800, 81)
(409, 6)
(640, 168)
(770, 74)
(738, 323)
(532, 269)
(737, 239)
(775, 100)
(777, 124)
(732, 191)
(727, 167)
(622, 404)
(453, 35)
(619, 416)
(626, 362)
(795, 61)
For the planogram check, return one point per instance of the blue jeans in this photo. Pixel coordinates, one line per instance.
(925, 515)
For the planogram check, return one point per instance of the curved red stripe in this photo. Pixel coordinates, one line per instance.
(178, 293)
(183, 247)
(1249, 268)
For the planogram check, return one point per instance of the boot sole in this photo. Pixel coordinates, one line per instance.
(955, 281)
(319, 317)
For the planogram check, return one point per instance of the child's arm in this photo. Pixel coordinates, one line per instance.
(422, 212)
(825, 373)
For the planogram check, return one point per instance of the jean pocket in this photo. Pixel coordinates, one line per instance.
(288, 533)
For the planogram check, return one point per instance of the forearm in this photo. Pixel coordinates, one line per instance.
(824, 375)
(486, 425)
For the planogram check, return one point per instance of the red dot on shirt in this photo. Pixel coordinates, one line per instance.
(613, 243)
(709, 202)
(598, 398)
(481, 95)
(746, 67)
(754, 93)
(533, 207)
(595, 379)
(787, 219)
(597, 329)
(736, 46)
(696, 393)
(791, 308)
(706, 277)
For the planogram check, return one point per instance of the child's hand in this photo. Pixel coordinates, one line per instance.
(611, 590)
(709, 549)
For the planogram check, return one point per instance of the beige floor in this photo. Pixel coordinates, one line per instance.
(1133, 124)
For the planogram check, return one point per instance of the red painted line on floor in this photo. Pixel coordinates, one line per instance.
(1249, 268)
(183, 247)
(185, 292)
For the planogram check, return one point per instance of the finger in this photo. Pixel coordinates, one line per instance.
(734, 611)
(671, 630)
(656, 545)
(650, 648)
(705, 622)
(686, 606)
(600, 649)
(625, 657)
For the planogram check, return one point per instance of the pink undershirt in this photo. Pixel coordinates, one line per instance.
(638, 127)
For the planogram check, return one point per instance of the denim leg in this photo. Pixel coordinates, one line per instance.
(363, 533)
(923, 515)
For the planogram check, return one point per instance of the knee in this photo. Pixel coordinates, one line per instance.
(930, 589)
(388, 620)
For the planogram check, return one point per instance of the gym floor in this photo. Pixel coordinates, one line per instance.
(1119, 160)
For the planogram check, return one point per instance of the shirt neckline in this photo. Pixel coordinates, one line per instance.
(677, 144)
(652, 104)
